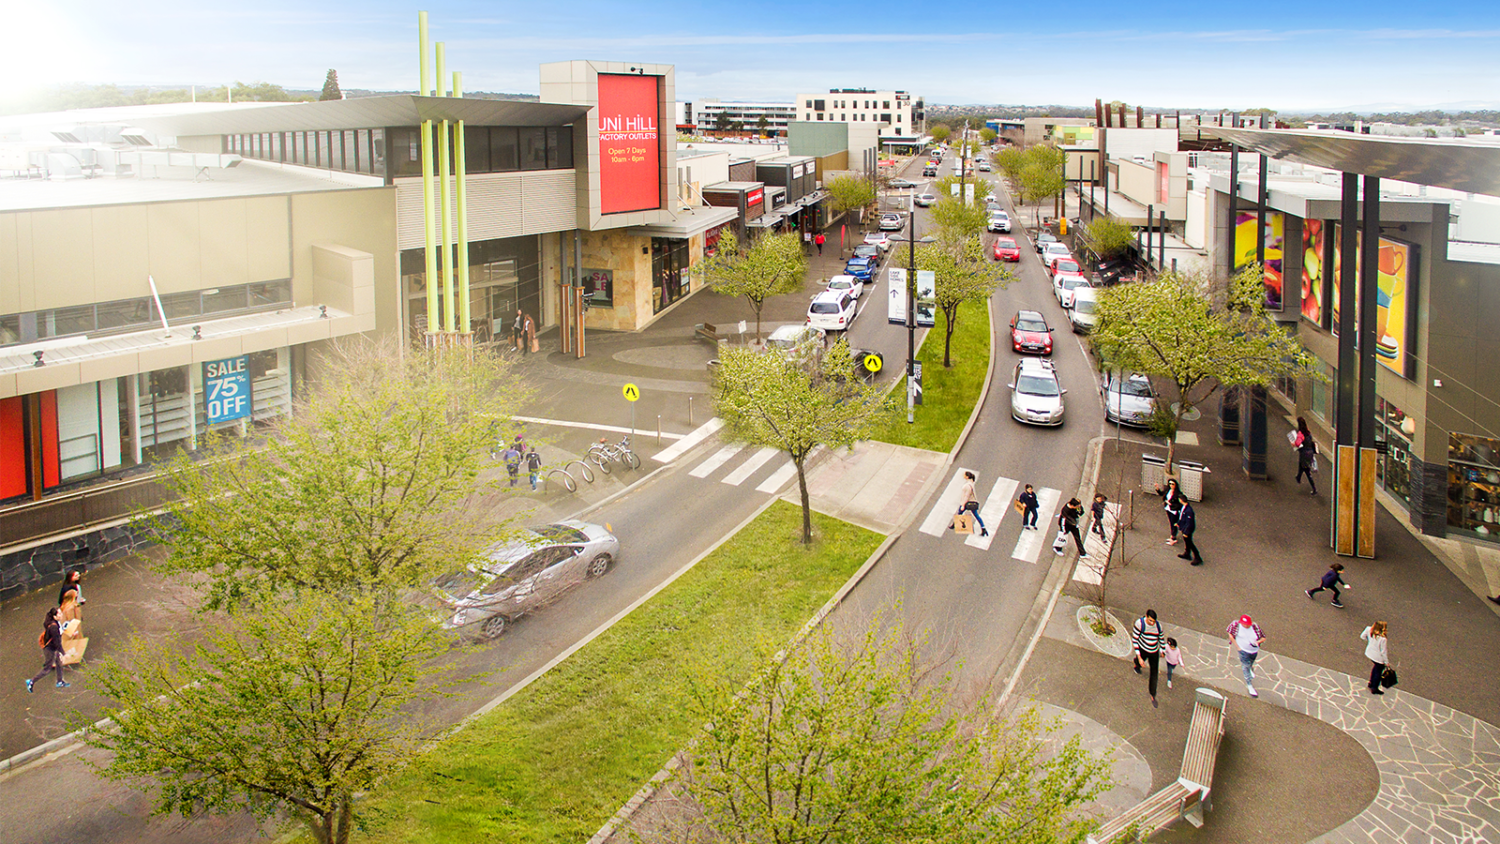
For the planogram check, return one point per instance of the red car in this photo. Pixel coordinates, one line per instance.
(1065, 266)
(1006, 249)
(1029, 332)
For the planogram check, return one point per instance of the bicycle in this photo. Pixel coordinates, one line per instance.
(599, 455)
(603, 453)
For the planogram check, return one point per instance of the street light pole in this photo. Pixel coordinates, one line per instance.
(911, 317)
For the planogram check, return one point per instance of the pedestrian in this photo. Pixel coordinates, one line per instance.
(1067, 523)
(1375, 651)
(72, 582)
(1173, 506)
(1493, 599)
(1187, 522)
(516, 329)
(818, 239)
(807, 239)
(1307, 454)
(52, 651)
(529, 328)
(533, 466)
(1097, 508)
(1146, 635)
(1029, 508)
(512, 458)
(1172, 655)
(1246, 637)
(1332, 580)
(971, 503)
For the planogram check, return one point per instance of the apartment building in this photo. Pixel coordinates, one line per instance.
(900, 118)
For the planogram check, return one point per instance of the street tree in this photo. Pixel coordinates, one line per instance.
(795, 404)
(331, 86)
(763, 124)
(988, 135)
(723, 122)
(297, 704)
(939, 132)
(372, 482)
(960, 274)
(865, 740)
(849, 193)
(1041, 177)
(770, 265)
(1167, 327)
(1011, 161)
(982, 189)
(1105, 237)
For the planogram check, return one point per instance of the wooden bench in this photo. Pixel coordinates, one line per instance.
(708, 331)
(1202, 751)
(1190, 796)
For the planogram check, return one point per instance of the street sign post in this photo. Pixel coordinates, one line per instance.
(632, 394)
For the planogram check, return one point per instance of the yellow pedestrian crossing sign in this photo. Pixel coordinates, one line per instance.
(632, 392)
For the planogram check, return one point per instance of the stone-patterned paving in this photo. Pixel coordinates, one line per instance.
(1439, 768)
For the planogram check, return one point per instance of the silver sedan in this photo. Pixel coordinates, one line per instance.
(523, 574)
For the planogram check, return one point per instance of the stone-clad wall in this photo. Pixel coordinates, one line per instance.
(35, 568)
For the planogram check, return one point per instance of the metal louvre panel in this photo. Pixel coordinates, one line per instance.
(500, 205)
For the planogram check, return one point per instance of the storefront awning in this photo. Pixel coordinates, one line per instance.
(688, 222)
(766, 221)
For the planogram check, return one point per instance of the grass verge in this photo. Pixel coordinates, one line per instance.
(556, 761)
(948, 395)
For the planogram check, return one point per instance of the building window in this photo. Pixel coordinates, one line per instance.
(505, 149)
(533, 148)
(1318, 401)
(1393, 468)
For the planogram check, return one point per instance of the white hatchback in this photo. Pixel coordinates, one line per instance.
(1036, 397)
(1052, 252)
(846, 284)
(832, 310)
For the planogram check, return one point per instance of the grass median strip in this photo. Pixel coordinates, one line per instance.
(556, 761)
(948, 395)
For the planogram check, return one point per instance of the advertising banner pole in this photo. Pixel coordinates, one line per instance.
(443, 198)
(428, 233)
(460, 173)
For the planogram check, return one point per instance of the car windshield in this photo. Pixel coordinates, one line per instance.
(858, 261)
(1083, 306)
(1067, 266)
(1057, 249)
(840, 284)
(1046, 237)
(1005, 243)
(1134, 387)
(1030, 325)
(1069, 282)
(1035, 385)
(560, 533)
(459, 583)
(824, 308)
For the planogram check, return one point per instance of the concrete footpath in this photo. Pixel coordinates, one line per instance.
(1316, 757)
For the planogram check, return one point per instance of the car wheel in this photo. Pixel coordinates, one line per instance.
(494, 626)
(600, 564)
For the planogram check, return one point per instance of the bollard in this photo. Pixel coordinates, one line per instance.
(1130, 510)
(690, 411)
(658, 429)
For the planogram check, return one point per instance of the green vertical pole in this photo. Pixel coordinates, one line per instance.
(443, 197)
(427, 204)
(460, 170)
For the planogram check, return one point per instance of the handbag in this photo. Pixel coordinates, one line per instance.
(1388, 677)
(1060, 541)
(1312, 465)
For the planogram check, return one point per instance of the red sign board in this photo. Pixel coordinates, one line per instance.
(629, 147)
(754, 197)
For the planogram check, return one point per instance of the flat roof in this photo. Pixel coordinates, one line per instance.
(364, 113)
(248, 178)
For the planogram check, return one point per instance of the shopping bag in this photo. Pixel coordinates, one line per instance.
(73, 650)
(1291, 437)
(963, 523)
(536, 345)
(1388, 677)
(1060, 541)
(1020, 508)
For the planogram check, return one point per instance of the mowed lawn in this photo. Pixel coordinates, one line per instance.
(558, 759)
(948, 395)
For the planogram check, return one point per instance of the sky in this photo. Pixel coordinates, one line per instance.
(1289, 56)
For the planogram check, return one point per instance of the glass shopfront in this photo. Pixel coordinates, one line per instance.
(1395, 429)
(503, 278)
(669, 272)
(1474, 486)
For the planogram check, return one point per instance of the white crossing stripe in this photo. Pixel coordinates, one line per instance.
(1091, 569)
(940, 518)
(994, 509)
(788, 471)
(719, 458)
(534, 420)
(1030, 545)
(750, 467)
(677, 449)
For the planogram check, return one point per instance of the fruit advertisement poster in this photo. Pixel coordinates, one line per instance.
(1393, 300)
(1314, 275)
(1245, 243)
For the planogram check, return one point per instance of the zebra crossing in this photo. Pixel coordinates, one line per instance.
(754, 461)
(994, 511)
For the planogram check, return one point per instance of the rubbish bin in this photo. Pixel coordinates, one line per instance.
(1190, 475)
(1153, 472)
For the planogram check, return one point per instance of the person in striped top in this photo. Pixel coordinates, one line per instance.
(1147, 636)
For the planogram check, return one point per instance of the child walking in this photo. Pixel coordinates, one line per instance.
(1332, 580)
(1173, 658)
